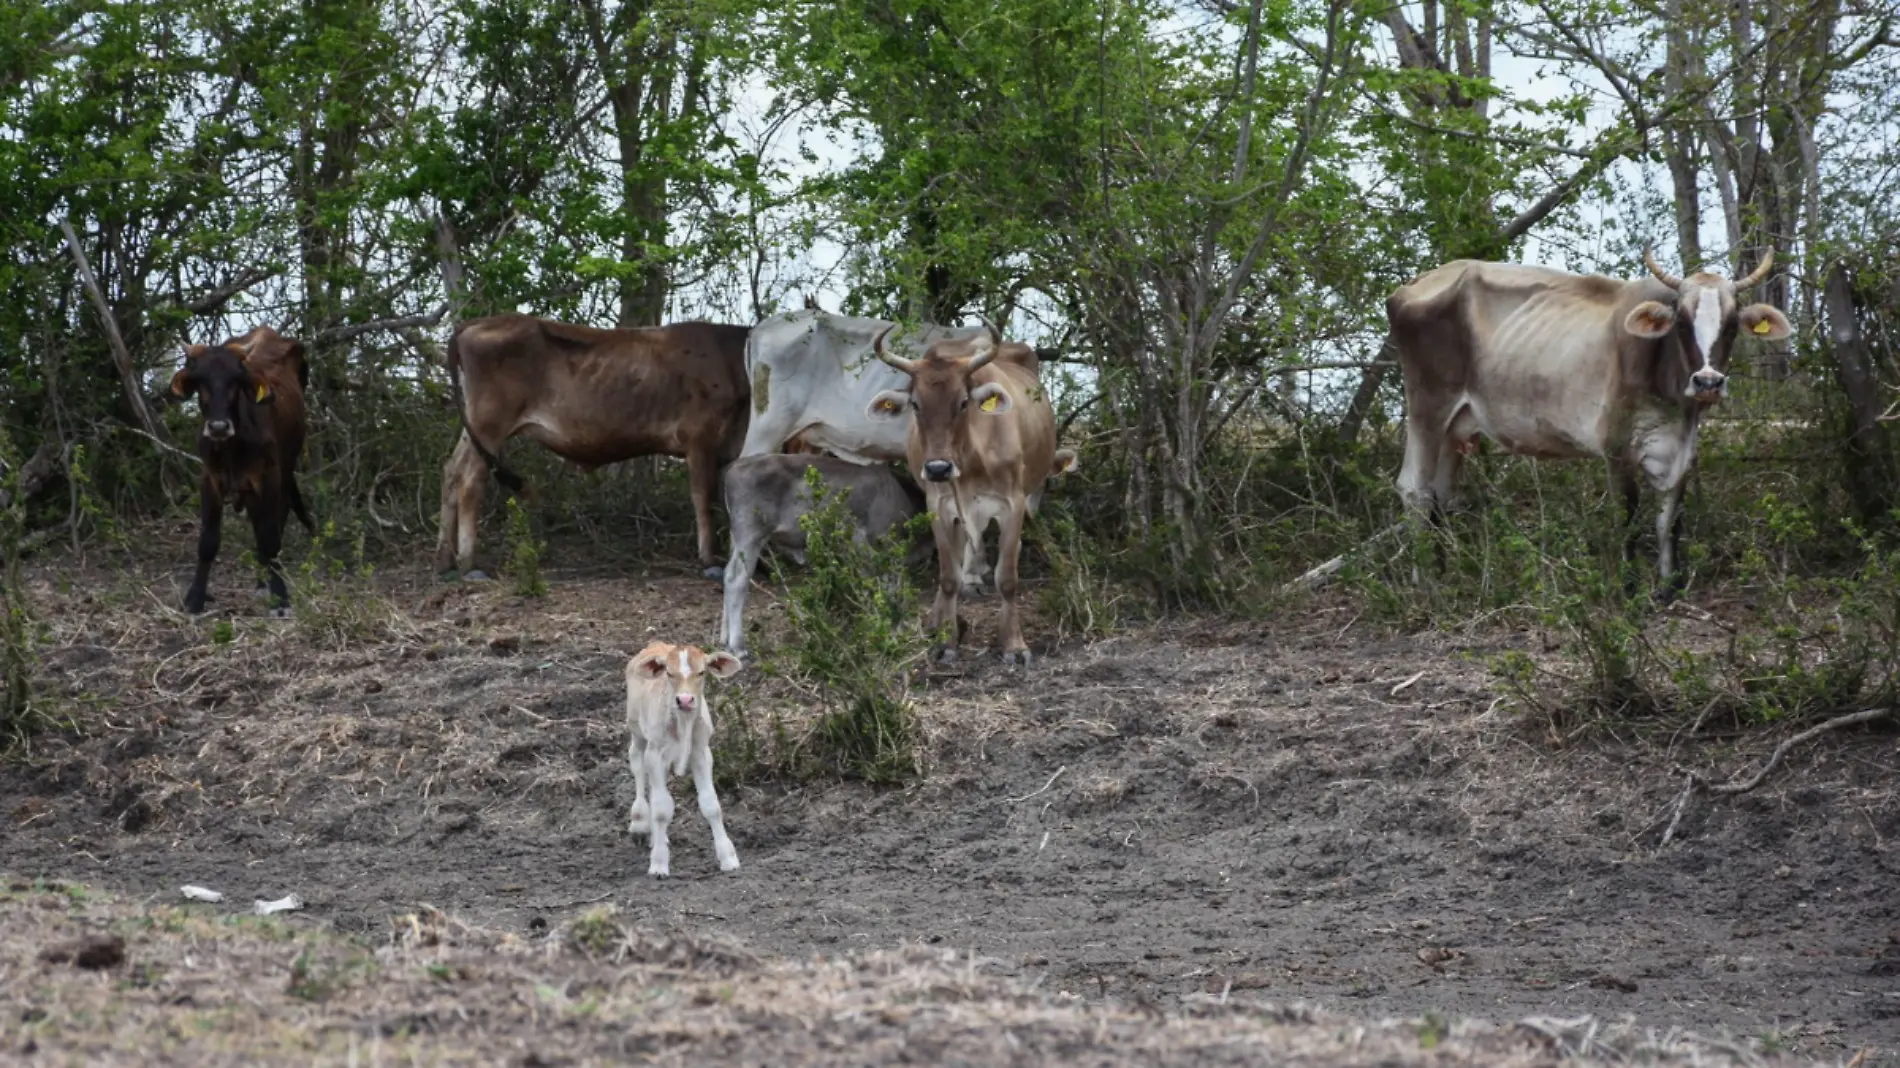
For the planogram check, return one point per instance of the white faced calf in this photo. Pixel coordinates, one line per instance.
(670, 718)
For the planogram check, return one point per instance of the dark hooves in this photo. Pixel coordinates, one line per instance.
(282, 611)
(1017, 656)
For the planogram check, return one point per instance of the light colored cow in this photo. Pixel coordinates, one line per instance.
(669, 718)
(1559, 365)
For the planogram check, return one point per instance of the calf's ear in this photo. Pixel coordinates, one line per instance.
(1067, 462)
(889, 404)
(990, 397)
(181, 385)
(1765, 322)
(1650, 319)
(723, 665)
(649, 667)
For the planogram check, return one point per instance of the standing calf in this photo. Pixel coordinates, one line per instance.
(670, 719)
(250, 393)
(766, 496)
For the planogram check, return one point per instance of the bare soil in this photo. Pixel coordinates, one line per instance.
(1187, 811)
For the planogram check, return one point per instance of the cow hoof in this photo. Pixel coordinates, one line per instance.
(475, 575)
(716, 573)
(658, 871)
(280, 612)
(946, 655)
(1017, 656)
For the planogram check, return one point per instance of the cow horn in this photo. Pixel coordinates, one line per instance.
(1649, 261)
(992, 340)
(906, 366)
(1760, 274)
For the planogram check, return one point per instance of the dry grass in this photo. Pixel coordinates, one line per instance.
(201, 986)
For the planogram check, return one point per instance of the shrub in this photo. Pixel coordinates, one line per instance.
(524, 553)
(857, 636)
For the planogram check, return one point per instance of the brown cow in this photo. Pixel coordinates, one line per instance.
(250, 394)
(983, 437)
(594, 397)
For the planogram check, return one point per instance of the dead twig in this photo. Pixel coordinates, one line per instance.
(1038, 793)
(1696, 782)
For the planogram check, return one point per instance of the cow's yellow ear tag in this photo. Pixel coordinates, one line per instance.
(1763, 326)
(989, 403)
(263, 393)
(888, 406)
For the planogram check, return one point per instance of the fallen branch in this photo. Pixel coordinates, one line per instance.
(1320, 574)
(1697, 782)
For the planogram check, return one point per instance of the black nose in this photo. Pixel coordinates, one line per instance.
(218, 427)
(939, 470)
(1708, 381)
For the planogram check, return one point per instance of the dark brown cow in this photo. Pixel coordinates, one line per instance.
(250, 396)
(983, 441)
(594, 397)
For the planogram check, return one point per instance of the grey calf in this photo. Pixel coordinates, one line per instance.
(765, 497)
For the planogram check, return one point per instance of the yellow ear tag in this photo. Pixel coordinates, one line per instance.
(887, 406)
(1763, 326)
(262, 392)
(990, 402)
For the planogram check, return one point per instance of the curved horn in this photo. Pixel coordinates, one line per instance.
(1649, 261)
(1760, 274)
(906, 366)
(990, 343)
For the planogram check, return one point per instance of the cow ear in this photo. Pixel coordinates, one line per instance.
(1765, 322)
(723, 665)
(1650, 319)
(651, 666)
(1067, 462)
(991, 397)
(181, 385)
(889, 404)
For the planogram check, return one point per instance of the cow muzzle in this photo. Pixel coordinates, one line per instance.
(1708, 386)
(217, 429)
(940, 470)
(685, 701)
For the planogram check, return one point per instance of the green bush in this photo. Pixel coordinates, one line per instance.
(857, 636)
(524, 553)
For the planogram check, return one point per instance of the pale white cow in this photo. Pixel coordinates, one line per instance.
(669, 717)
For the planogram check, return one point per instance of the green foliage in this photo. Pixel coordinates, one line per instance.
(1078, 598)
(854, 614)
(333, 592)
(524, 553)
(19, 714)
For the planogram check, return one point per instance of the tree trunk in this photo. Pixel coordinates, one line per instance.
(1870, 461)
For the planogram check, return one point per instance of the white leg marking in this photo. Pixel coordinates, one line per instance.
(709, 801)
(662, 810)
(637, 818)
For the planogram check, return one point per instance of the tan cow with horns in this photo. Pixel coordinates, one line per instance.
(982, 441)
(1559, 365)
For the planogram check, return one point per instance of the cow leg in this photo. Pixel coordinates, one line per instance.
(267, 524)
(210, 533)
(470, 489)
(709, 800)
(702, 471)
(1630, 491)
(947, 530)
(638, 816)
(1669, 541)
(451, 491)
(1008, 550)
(1418, 474)
(660, 815)
(748, 538)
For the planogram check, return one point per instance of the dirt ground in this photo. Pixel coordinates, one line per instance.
(1185, 811)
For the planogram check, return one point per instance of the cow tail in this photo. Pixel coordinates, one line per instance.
(500, 470)
(296, 501)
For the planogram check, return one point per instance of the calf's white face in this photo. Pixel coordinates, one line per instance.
(680, 672)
